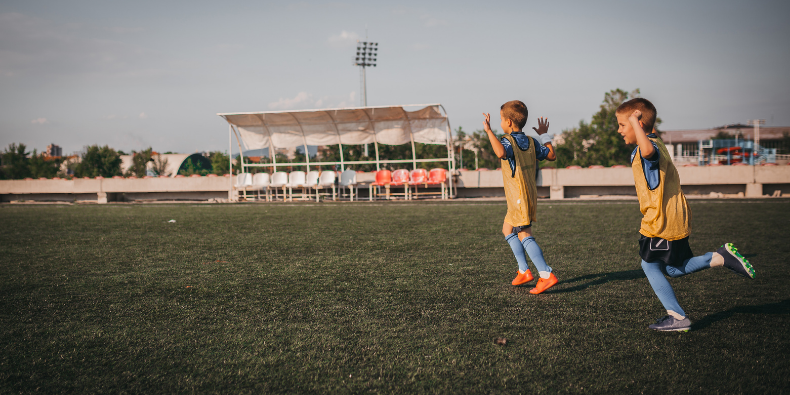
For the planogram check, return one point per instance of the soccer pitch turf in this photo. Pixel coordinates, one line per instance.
(379, 297)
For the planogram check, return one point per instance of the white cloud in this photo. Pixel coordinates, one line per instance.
(39, 121)
(302, 99)
(305, 101)
(143, 116)
(343, 39)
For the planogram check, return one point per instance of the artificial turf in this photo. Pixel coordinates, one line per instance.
(379, 298)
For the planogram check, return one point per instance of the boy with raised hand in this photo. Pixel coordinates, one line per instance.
(519, 156)
(666, 225)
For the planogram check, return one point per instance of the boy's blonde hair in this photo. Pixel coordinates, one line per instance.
(516, 111)
(645, 106)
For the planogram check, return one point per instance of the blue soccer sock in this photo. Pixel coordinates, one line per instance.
(518, 251)
(690, 265)
(536, 255)
(655, 275)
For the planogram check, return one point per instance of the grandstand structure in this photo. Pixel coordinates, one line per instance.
(391, 125)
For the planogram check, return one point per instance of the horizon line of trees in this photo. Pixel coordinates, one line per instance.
(17, 163)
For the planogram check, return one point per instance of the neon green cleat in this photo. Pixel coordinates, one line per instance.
(734, 261)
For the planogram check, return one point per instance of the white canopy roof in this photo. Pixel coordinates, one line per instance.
(391, 125)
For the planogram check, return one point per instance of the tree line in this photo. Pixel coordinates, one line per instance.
(96, 161)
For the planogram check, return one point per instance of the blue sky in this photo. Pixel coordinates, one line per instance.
(151, 73)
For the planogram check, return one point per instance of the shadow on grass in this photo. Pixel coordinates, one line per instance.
(782, 307)
(598, 279)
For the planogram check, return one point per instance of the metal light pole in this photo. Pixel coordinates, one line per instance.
(366, 57)
(756, 123)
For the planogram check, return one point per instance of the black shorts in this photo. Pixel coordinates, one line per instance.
(672, 253)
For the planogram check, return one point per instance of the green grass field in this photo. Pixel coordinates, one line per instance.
(379, 298)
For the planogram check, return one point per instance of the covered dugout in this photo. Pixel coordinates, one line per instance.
(392, 125)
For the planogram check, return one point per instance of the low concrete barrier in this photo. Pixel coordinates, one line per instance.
(103, 190)
(750, 181)
(746, 181)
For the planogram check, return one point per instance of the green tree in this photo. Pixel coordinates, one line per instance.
(597, 142)
(160, 165)
(15, 163)
(140, 162)
(193, 167)
(42, 165)
(99, 161)
(219, 162)
(723, 135)
(486, 159)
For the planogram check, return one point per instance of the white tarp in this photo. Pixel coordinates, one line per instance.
(391, 125)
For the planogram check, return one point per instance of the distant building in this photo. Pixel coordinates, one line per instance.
(54, 151)
(687, 141)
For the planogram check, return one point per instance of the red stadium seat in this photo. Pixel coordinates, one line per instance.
(383, 179)
(437, 177)
(401, 178)
(418, 176)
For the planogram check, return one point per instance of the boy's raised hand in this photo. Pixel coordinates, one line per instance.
(543, 126)
(487, 123)
(636, 114)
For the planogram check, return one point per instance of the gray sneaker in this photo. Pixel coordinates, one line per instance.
(671, 324)
(734, 261)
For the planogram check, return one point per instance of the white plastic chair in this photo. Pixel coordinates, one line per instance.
(348, 179)
(297, 179)
(326, 181)
(243, 183)
(279, 180)
(312, 181)
(260, 182)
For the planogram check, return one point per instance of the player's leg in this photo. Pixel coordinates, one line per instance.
(726, 256)
(692, 265)
(676, 319)
(523, 275)
(547, 278)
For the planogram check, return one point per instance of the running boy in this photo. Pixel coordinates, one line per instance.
(519, 156)
(666, 225)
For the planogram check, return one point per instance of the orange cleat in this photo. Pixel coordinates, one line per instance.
(544, 284)
(523, 278)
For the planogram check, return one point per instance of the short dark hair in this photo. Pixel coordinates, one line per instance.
(645, 106)
(516, 111)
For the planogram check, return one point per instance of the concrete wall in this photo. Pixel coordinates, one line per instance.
(103, 190)
(749, 181)
(752, 181)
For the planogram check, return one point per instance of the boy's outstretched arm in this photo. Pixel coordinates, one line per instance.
(499, 149)
(646, 148)
(542, 129)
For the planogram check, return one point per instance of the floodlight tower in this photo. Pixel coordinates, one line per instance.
(366, 57)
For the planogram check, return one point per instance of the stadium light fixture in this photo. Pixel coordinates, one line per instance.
(367, 53)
